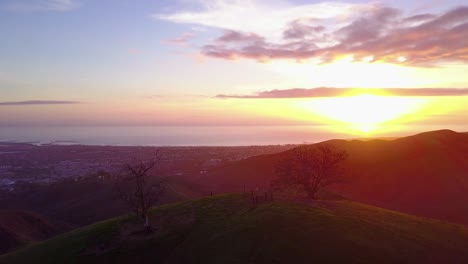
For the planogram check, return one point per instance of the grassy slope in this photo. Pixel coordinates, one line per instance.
(84, 202)
(424, 174)
(224, 229)
(67, 206)
(18, 228)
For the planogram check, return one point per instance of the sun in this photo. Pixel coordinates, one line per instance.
(365, 112)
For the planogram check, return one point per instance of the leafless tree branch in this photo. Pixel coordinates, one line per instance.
(138, 188)
(312, 167)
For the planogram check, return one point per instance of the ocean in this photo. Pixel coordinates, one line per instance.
(181, 135)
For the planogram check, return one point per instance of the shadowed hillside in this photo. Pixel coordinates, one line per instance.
(18, 228)
(67, 205)
(84, 202)
(425, 174)
(225, 229)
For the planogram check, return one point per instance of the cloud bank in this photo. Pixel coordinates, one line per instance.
(335, 92)
(38, 102)
(329, 31)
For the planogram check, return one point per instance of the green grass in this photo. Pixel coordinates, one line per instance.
(224, 229)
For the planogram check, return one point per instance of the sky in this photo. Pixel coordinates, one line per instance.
(366, 65)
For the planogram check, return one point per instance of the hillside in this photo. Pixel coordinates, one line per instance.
(224, 229)
(68, 205)
(84, 202)
(424, 174)
(18, 228)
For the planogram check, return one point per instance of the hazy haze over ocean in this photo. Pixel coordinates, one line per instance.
(187, 135)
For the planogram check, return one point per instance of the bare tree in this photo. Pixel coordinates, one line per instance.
(311, 168)
(139, 189)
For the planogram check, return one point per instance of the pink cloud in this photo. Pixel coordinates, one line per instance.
(334, 92)
(38, 102)
(181, 40)
(381, 32)
(299, 30)
(231, 36)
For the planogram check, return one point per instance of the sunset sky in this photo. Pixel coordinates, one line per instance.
(364, 65)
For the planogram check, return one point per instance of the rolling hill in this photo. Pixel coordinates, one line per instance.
(18, 228)
(66, 206)
(226, 229)
(424, 174)
(84, 202)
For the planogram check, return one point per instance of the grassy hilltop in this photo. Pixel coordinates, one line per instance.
(425, 174)
(225, 229)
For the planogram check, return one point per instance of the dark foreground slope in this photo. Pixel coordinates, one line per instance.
(66, 206)
(84, 202)
(424, 174)
(224, 229)
(18, 228)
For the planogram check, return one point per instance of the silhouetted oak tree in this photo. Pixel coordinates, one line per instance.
(139, 189)
(311, 167)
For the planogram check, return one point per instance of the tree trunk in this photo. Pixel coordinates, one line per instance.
(146, 225)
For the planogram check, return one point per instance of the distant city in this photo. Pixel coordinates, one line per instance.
(26, 163)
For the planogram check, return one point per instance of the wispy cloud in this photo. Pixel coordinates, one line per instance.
(153, 96)
(267, 18)
(329, 31)
(38, 102)
(39, 5)
(181, 40)
(335, 92)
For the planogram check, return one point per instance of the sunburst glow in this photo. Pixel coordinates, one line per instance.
(365, 112)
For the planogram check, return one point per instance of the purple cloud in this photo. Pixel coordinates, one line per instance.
(231, 36)
(335, 92)
(248, 45)
(301, 30)
(39, 102)
(419, 18)
(381, 33)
